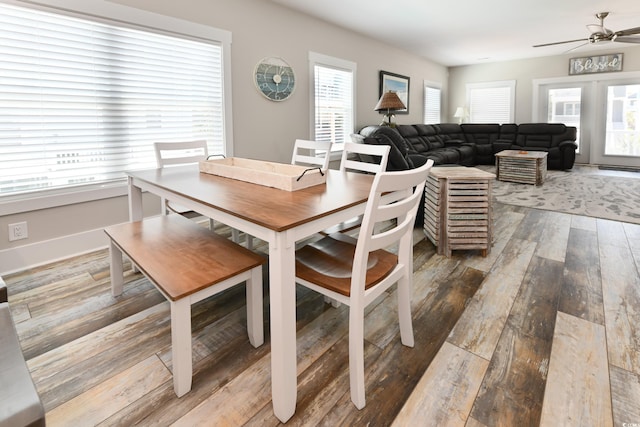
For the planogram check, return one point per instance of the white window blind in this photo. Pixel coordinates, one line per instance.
(491, 102)
(432, 101)
(83, 101)
(333, 101)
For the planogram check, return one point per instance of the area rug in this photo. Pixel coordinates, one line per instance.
(577, 192)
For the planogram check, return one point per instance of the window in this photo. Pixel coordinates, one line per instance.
(492, 102)
(82, 101)
(333, 98)
(432, 101)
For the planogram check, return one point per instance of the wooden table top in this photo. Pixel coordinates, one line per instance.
(460, 172)
(272, 208)
(522, 154)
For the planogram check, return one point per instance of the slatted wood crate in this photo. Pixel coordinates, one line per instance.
(458, 209)
(526, 167)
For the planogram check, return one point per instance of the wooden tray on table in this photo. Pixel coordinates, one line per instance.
(278, 175)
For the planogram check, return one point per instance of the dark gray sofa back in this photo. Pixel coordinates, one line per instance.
(416, 143)
(450, 132)
(472, 143)
(398, 159)
(542, 135)
(484, 136)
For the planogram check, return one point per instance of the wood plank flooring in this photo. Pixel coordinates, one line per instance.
(543, 331)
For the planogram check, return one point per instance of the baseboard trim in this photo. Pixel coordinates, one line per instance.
(21, 258)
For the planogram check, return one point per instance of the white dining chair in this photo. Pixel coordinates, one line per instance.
(305, 153)
(357, 271)
(351, 161)
(353, 157)
(175, 154)
(183, 153)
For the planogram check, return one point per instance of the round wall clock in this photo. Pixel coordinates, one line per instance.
(274, 78)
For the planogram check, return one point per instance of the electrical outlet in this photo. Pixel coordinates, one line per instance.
(18, 231)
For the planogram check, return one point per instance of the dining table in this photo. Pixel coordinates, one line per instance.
(279, 217)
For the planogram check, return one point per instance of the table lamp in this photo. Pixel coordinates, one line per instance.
(389, 101)
(459, 114)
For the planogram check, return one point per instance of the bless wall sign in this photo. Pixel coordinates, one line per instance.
(595, 64)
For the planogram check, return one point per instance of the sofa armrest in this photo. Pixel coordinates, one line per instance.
(568, 145)
(4, 296)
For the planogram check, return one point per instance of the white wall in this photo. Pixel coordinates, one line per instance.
(524, 72)
(266, 129)
(262, 129)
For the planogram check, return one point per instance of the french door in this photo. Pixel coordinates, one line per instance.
(619, 128)
(606, 113)
(563, 103)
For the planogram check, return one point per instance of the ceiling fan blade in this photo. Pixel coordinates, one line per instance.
(627, 39)
(555, 43)
(627, 32)
(576, 47)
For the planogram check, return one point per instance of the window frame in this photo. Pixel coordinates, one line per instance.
(110, 13)
(336, 63)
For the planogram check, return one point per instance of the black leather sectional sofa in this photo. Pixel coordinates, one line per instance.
(472, 144)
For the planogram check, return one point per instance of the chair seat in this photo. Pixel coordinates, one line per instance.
(329, 263)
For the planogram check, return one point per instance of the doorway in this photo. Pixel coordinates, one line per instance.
(606, 113)
(619, 136)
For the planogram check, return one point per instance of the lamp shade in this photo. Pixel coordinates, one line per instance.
(389, 101)
(460, 114)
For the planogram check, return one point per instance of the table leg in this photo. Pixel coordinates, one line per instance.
(282, 293)
(117, 278)
(135, 208)
(135, 202)
(181, 346)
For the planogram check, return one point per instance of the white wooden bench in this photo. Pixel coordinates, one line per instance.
(20, 404)
(187, 263)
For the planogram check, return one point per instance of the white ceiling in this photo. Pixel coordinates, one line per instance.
(461, 32)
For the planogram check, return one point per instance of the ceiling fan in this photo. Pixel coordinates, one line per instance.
(600, 33)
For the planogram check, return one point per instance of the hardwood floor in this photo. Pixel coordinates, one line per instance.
(543, 331)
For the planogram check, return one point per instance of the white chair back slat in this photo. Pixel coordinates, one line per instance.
(305, 153)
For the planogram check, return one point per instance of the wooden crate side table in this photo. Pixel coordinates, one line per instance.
(458, 209)
(526, 167)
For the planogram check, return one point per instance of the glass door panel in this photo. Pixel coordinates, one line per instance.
(567, 102)
(563, 106)
(622, 134)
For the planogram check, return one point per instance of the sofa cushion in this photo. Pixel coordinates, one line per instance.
(396, 162)
(481, 134)
(483, 138)
(415, 142)
(540, 135)
(382, 135)
(430, 134)
(450, 133)
(508, 133)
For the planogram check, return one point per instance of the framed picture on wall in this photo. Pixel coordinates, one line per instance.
(397, 83)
